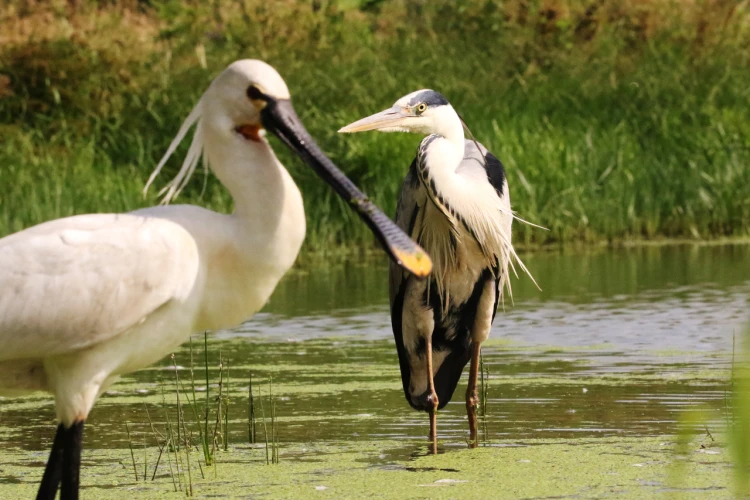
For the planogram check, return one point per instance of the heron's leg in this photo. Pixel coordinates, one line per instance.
(53, 470)
(433, 395)
(472, 400)
(480, 331)
(72, 461)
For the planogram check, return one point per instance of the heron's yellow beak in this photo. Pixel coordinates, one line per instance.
(391, 119)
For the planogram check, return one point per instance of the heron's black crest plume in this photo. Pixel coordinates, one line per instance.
(430, 98)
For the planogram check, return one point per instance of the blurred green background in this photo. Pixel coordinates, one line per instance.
(616, 119)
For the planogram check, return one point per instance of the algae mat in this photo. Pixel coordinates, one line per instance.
(591, 468)
(344, 431)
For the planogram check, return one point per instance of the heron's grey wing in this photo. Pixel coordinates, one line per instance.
(411, 205)
(481, 163)
(483, 166)
(74, 282)
(410, 201)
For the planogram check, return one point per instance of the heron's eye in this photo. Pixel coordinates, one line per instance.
(421, 107)
(254, 93)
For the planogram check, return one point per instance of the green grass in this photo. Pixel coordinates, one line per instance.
(629, 122)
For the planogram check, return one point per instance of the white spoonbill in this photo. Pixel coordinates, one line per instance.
(88, 298)
(454, 202)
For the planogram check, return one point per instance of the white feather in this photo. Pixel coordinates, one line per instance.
(476, 206)
(176, 185)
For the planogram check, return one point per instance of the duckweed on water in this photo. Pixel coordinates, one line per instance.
(592, 468)
(343, 428)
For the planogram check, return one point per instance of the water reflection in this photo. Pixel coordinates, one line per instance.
(572, 277)
(687, 298)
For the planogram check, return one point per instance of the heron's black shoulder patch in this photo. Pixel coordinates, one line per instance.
(495, 173)
(429, 97)
(411, 182)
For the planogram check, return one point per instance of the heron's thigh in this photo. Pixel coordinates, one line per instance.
(480, 330)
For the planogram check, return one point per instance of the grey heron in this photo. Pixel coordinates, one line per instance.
(85, 299)
(454, 202)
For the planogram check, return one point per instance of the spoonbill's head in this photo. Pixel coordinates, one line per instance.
(243, 96)
(423, 112)
(250, 96)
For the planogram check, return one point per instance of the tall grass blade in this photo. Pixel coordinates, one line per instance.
(132, 455)
(250, 412)
(265, 428)
(225, 434)
(207, 449)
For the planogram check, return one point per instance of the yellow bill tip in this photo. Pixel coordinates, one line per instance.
(416, 262)
(349, 129)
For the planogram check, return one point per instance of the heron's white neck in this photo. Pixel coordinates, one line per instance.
(447, 125)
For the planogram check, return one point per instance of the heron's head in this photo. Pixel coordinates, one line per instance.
(422, 112)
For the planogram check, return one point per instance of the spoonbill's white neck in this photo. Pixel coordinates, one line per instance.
(252, 174)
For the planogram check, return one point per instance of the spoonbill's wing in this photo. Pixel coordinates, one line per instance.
(74, 282)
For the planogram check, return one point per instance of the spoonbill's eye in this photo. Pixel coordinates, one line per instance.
(254, 93)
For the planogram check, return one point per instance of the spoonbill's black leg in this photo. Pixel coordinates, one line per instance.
(53, 470)
(72, 461)
(472, 400)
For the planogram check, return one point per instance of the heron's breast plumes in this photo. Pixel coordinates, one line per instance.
(478, 217)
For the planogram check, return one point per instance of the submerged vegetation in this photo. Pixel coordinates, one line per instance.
(615, 119)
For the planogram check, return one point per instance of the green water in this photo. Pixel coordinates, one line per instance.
(603, 361)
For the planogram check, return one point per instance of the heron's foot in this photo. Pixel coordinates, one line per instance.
(472, 402)
(433, 421)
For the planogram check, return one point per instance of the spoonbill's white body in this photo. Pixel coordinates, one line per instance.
(85, 299)
(90, 297)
